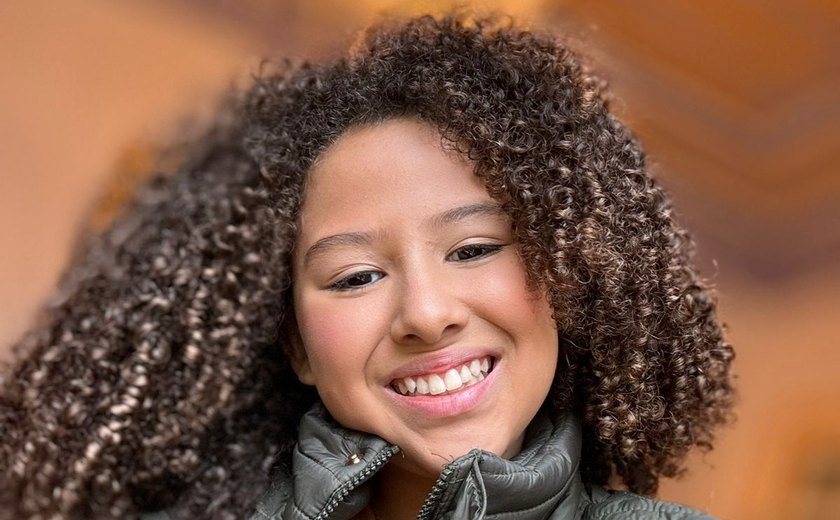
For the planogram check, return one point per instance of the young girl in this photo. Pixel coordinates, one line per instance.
(431, 279)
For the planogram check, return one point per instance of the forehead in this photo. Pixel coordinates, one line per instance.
(375, 174)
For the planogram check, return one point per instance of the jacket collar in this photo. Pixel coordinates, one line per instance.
(541, 482)
(332, 468)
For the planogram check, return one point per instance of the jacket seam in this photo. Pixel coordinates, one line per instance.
(301, 511)
(504, 514)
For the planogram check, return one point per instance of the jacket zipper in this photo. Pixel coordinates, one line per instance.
(436, 494)
(341, 493)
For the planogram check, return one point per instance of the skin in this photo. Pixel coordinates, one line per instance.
(409, 287)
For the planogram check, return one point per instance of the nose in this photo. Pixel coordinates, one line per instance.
(430, 308)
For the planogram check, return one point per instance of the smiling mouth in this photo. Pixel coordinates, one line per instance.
(447, 382)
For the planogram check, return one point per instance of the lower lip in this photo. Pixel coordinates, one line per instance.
(448, 405)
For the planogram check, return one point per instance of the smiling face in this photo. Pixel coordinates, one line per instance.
(412, 303)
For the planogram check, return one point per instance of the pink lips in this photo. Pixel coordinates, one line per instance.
(449, 404)
(449, 380)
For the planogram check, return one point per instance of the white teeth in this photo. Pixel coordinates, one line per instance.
(436, 385)
(422, 386)
(452, 380)
(467, 374)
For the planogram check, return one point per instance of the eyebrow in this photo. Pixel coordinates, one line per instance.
(352, 238)
(362, 238)
(481, 209)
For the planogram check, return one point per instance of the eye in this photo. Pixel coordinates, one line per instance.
(473, 252)
(358, 280)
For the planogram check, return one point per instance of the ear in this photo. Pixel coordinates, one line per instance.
(297, 353)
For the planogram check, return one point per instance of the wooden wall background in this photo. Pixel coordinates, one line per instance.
(738, 103)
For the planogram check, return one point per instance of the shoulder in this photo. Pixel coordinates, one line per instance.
(615, 505)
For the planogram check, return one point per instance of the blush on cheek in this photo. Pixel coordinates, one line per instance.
(322, 336)
(331, 334)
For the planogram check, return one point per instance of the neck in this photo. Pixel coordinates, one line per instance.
(400, 493)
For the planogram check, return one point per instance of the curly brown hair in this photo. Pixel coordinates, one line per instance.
(158, 377)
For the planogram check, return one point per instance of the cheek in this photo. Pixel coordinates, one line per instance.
(336, 335)
(506, 292)
(321, 333)
(525, 315)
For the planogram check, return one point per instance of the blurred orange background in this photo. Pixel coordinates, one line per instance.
(738, 104)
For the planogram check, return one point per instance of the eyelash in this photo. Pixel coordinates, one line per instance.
(488, 249)
(343, 285)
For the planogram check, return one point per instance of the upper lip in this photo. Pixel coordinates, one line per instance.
(438, 362)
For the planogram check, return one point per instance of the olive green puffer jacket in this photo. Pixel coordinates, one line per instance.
(332, 470)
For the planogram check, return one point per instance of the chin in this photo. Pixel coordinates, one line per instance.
(431, 459)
